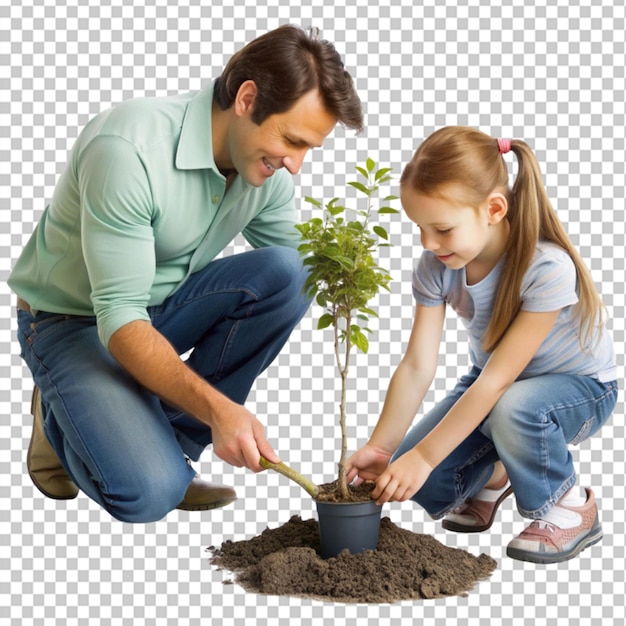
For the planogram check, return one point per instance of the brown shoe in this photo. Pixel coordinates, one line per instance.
(44, 467)
(202, 496)
(476, 515)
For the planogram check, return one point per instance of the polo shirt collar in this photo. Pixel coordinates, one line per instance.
(195, 146)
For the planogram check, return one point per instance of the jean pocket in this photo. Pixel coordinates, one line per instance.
(584, 432)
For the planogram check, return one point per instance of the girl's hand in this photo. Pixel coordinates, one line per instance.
(368, 463)
(402, 479)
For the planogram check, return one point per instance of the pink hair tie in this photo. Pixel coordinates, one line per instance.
(504, 145)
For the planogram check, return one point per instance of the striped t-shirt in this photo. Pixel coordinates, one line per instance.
(548, 285)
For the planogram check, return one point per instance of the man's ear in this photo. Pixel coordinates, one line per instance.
(244, 100)
(497, 208)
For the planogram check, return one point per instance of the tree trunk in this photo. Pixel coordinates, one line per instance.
(343, 370)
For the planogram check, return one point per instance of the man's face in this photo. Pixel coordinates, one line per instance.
(281, 140)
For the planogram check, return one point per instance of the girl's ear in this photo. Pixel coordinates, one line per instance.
(244, 100)
(497, 207)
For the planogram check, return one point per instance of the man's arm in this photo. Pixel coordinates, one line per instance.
(238, 437)
(119, 250)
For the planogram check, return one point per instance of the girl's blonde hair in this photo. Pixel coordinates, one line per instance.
(467, 161)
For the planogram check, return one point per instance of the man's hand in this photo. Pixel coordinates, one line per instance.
(239, 438)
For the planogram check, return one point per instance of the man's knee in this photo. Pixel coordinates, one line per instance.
(146, 499)
(287, 275)
(287, 267)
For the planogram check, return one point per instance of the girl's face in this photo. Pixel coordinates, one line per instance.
(460, 236)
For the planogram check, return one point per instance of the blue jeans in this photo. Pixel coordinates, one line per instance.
(528, 429)
(120, 444)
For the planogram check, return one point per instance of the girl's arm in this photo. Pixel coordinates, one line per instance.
(411, 380)
(407, 389)
(406, 475)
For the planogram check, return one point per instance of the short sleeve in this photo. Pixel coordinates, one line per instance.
(550, 283)
(428, 281)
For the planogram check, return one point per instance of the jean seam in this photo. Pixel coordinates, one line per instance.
(461, 497)
(481, 452)
(45, 371)
(609, 389)
(558, 495)
(232, 335)
(157, 310)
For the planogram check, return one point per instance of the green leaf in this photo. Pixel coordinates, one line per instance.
(335, 209)
(368, 311)
(361, 187)
(359, 340)
(381, 232)
(313, 201)
(381, 172)
(325, 321)
(387, 209)
(353, 225)
(347, 262)
(321, 300)
(370, 165)
(363, 172)
(388, 198)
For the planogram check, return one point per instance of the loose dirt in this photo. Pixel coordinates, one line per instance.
(330, 492)
(405, 566)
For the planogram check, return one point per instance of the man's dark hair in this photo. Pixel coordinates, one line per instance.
(285, 64)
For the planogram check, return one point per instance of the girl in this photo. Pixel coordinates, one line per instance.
(543, 372)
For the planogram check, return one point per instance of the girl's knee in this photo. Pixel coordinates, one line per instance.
(508, 410)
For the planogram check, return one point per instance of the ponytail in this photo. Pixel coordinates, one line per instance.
(472, 161)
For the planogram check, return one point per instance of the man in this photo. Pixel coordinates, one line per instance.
(120, 277)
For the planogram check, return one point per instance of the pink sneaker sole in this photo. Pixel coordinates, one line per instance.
(543, 542)
(569, 552)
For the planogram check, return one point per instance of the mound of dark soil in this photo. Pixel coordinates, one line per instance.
(405, 566)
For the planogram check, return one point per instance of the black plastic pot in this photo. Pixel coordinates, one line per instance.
(351, 525)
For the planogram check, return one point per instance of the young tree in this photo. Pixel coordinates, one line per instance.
(339, 250)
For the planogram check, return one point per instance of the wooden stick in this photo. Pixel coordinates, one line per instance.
(290, 473)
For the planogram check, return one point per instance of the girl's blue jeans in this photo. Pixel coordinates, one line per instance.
(120, 444)
(529, 430)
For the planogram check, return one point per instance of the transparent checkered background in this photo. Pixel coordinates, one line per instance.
(553, 75)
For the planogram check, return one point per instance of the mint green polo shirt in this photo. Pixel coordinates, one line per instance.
(139, 208)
